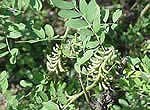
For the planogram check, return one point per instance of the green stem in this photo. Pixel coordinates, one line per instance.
(84, 90)
(34, 41)
(66, 32)
(8, 46)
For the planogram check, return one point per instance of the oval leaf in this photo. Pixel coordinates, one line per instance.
(123, 102)
(96, 22)
(14, 34)
(92, 44)
(76, 23)
(102, 37)
(68, 14)
(4, 54)
(24, 83)
(106, 15)
(50, 106)
(91, 11)
(3, 81)
(40, 33)
(12, 59)
(83, 6)
(116, 15)
(62, 4)
(49, 30)
(86, 56)
(2, 45)
(77, 67)
(14, 51)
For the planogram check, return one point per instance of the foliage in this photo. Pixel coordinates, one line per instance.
(83, 67)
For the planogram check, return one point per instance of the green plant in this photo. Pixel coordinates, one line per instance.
(79, 69)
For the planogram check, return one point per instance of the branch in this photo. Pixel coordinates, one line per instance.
(145, 10)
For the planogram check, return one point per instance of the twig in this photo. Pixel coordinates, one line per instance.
(145, 10)
(32, 41)
(134, 5)
(65, 34)
(8, 46)
(85, 92)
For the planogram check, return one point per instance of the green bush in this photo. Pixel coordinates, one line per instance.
(73, 55)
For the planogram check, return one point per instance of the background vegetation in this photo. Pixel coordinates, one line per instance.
(74, 55)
